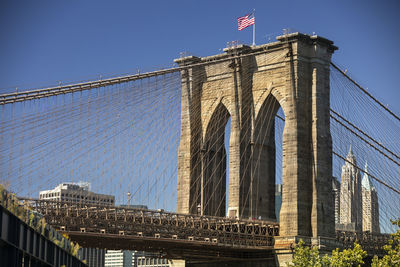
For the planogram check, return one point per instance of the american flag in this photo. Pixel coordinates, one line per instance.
(245, 21)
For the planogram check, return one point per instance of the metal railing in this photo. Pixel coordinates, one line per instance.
(92, 218)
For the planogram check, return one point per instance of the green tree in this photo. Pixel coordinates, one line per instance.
(347, 257)
(392, 257)
(306, 256)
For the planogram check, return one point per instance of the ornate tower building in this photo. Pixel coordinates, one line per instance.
(350, 195)
(370, 205)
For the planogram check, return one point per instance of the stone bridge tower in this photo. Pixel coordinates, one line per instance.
(249, 85)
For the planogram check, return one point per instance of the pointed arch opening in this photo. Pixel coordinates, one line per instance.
(214, 161)
(266, 161)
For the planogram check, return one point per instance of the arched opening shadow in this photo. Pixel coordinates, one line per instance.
(214, 163)
(266, 160)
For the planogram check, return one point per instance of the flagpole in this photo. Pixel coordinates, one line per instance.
(254, 33)
(254, 28)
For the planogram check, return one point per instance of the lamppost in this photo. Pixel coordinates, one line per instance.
(129, 198)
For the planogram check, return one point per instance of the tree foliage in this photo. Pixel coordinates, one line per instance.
(305, 256)
(392, 257)
(347, 257)
(309, 256)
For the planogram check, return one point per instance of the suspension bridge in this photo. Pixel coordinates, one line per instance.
(203, 145)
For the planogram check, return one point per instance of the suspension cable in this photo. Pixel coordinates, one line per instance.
(53, 91)
(366, 92)
(361, 131)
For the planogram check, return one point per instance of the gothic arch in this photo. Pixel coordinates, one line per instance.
(214, 163)
(264, 160)
(211, 108)
(268, 92)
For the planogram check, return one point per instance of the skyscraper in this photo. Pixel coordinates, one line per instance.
(370, 205)
(350, 195)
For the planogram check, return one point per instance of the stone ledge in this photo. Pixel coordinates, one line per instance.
(187, 60)
(241, 48)
(306, 37)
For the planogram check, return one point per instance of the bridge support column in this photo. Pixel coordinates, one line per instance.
(189, 156)
(240, 203)
(307, 197)
(323, 214)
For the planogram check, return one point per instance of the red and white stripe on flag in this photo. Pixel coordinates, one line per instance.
(245, 21)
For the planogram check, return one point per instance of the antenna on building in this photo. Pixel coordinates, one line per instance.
(268, 37)
(286, 32)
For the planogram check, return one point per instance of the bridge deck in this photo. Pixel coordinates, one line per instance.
(156, 230)
(175, 235)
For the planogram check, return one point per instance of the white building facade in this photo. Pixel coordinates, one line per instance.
(76, 192)
(127, 258)
(118, 258)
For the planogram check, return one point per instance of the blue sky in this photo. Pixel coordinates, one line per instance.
(44, 42)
